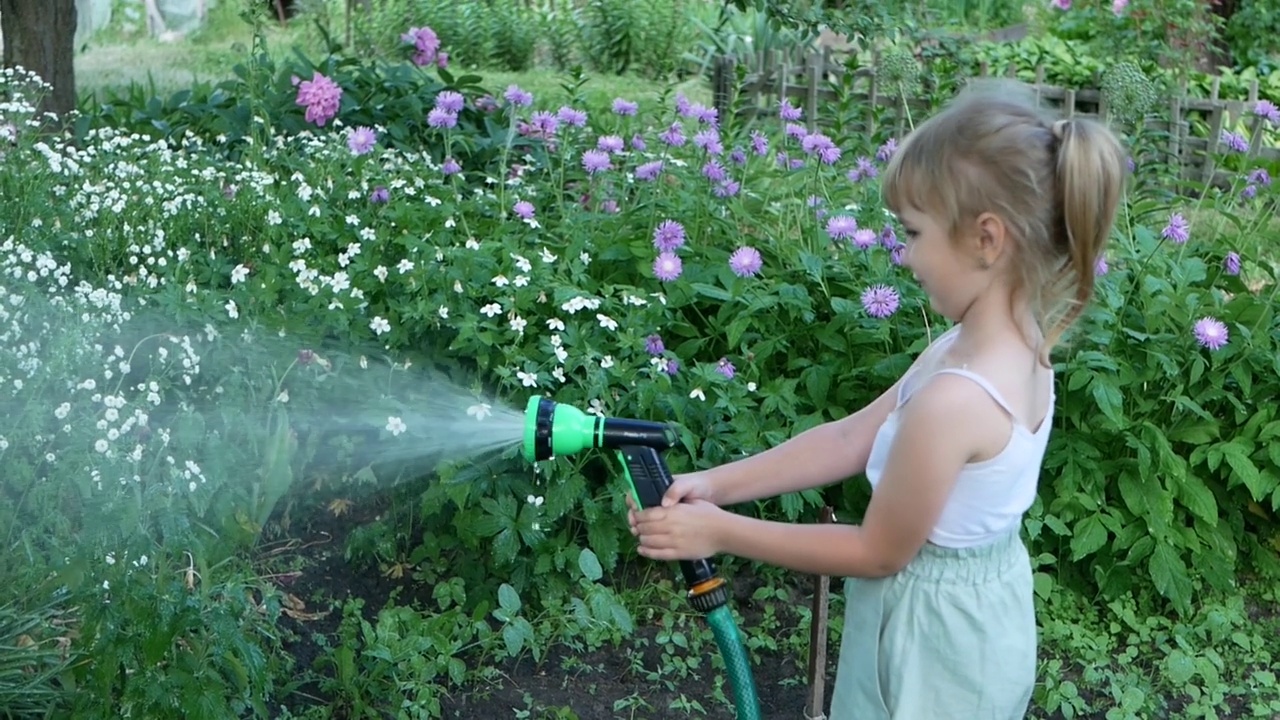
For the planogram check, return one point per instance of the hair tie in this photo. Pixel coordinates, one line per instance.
(1060, 129)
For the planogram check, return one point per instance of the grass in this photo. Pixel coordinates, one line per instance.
(114, 62)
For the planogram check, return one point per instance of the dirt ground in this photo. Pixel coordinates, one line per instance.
(597, 680)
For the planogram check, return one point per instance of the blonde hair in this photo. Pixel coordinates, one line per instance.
(1055, 183)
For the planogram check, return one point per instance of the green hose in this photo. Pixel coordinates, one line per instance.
(736, 664)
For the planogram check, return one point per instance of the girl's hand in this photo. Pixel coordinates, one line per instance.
(685, 531)
(690, 486)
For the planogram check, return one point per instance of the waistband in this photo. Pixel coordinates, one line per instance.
(970, 565)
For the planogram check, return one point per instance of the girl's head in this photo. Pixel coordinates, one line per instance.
(1000, 197)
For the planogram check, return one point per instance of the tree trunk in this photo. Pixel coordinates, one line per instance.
(39, 35)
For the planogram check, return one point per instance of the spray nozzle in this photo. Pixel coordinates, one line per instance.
(552, 429)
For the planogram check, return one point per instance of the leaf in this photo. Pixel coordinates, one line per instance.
(589, 564)
(1243, 469)
(1146, 497)
(1108, 398)
(508, 599)
(711, 291)
(1198, 498)
(1090, 535)
(1169, 572)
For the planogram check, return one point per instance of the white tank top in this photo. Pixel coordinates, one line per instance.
(989, 497)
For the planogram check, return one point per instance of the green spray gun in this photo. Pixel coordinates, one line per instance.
(551, 429)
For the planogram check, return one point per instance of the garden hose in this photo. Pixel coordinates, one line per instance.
(552, 429)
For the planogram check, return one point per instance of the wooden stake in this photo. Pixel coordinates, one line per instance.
(816, 704)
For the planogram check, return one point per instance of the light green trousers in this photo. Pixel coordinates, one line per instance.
(950, 637)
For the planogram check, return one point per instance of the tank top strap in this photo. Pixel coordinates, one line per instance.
(984, 384)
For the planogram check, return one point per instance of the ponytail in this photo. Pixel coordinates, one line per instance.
(1090, 175)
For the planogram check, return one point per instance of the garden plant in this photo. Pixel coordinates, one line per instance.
(236, 322)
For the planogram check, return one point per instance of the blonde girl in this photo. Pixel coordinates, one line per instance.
(1006, 211)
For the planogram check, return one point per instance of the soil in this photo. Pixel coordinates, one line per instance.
(590, 688)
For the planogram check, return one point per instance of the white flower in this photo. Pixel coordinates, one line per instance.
(100, 445)
(558, 374)
(585, 258)
(491, 309)
(751, 387)
(500, 281)
(555, 340)
(527, 379)
(480, 411)
(379, 325)
(381, 273)
(547, 257)
(607, 322)
(606, 362)
(443, 311)
(405, 266)
(111, 559)
(238, 274)
(522, 263)
(534, 500)
(561, 354)
(555, 324)
(518, 323)
(395, 425)
(232, 310)
(62, 411)
(521, 280)
(697, 393)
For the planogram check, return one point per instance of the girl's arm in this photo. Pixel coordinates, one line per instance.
(938, 434)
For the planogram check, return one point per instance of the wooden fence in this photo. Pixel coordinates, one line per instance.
(1189, 129)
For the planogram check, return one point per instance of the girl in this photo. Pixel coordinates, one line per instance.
(1006, 212)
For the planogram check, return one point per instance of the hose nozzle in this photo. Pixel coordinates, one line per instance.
(552, 429)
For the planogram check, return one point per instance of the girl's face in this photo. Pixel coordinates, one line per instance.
(947, 275)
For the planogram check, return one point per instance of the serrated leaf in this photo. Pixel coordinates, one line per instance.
(589, 564)
(1108, 398)
(1243, 469)
(1089, 536)
(1198, 498)
(505, 546)
(1146, 497)
(1169, 572)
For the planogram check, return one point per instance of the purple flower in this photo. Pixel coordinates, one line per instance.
(672, 367)
(745, 262)
(1100, 266)
(797, 131)
(524, 209)
(1061, 4)
(738, 156)
(896, 255)
(674, 135)
(361, 140)
(572, 116)
(787, 111)
(321, 97)
(1177, 230)
(610, 206)
(714, 171)
(887, 150)
(841, 227)
(439, 118)
(544, 122)
(1234, 141)
(426, 44)
(638, 143)
(821, 145)
(1268, 110)
(624, 107)
(1211, 333)
(609, 143)
(709, 140)
(726, 188)
(1249, 192)
(863, 169)
(864, 238)
(516, 96)
(1260, 177)
(596, 161)
(450, 101)
(379, 195)
(759, 143)
(725, 368)
(888, 238)
(653, 345)
(450, 167)
(649, 171)
(1231, 263)
(880, 301)
(668, 236)
(667, 266)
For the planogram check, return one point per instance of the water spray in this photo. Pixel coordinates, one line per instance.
(551, 430)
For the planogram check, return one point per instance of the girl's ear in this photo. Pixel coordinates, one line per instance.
(990, 240)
